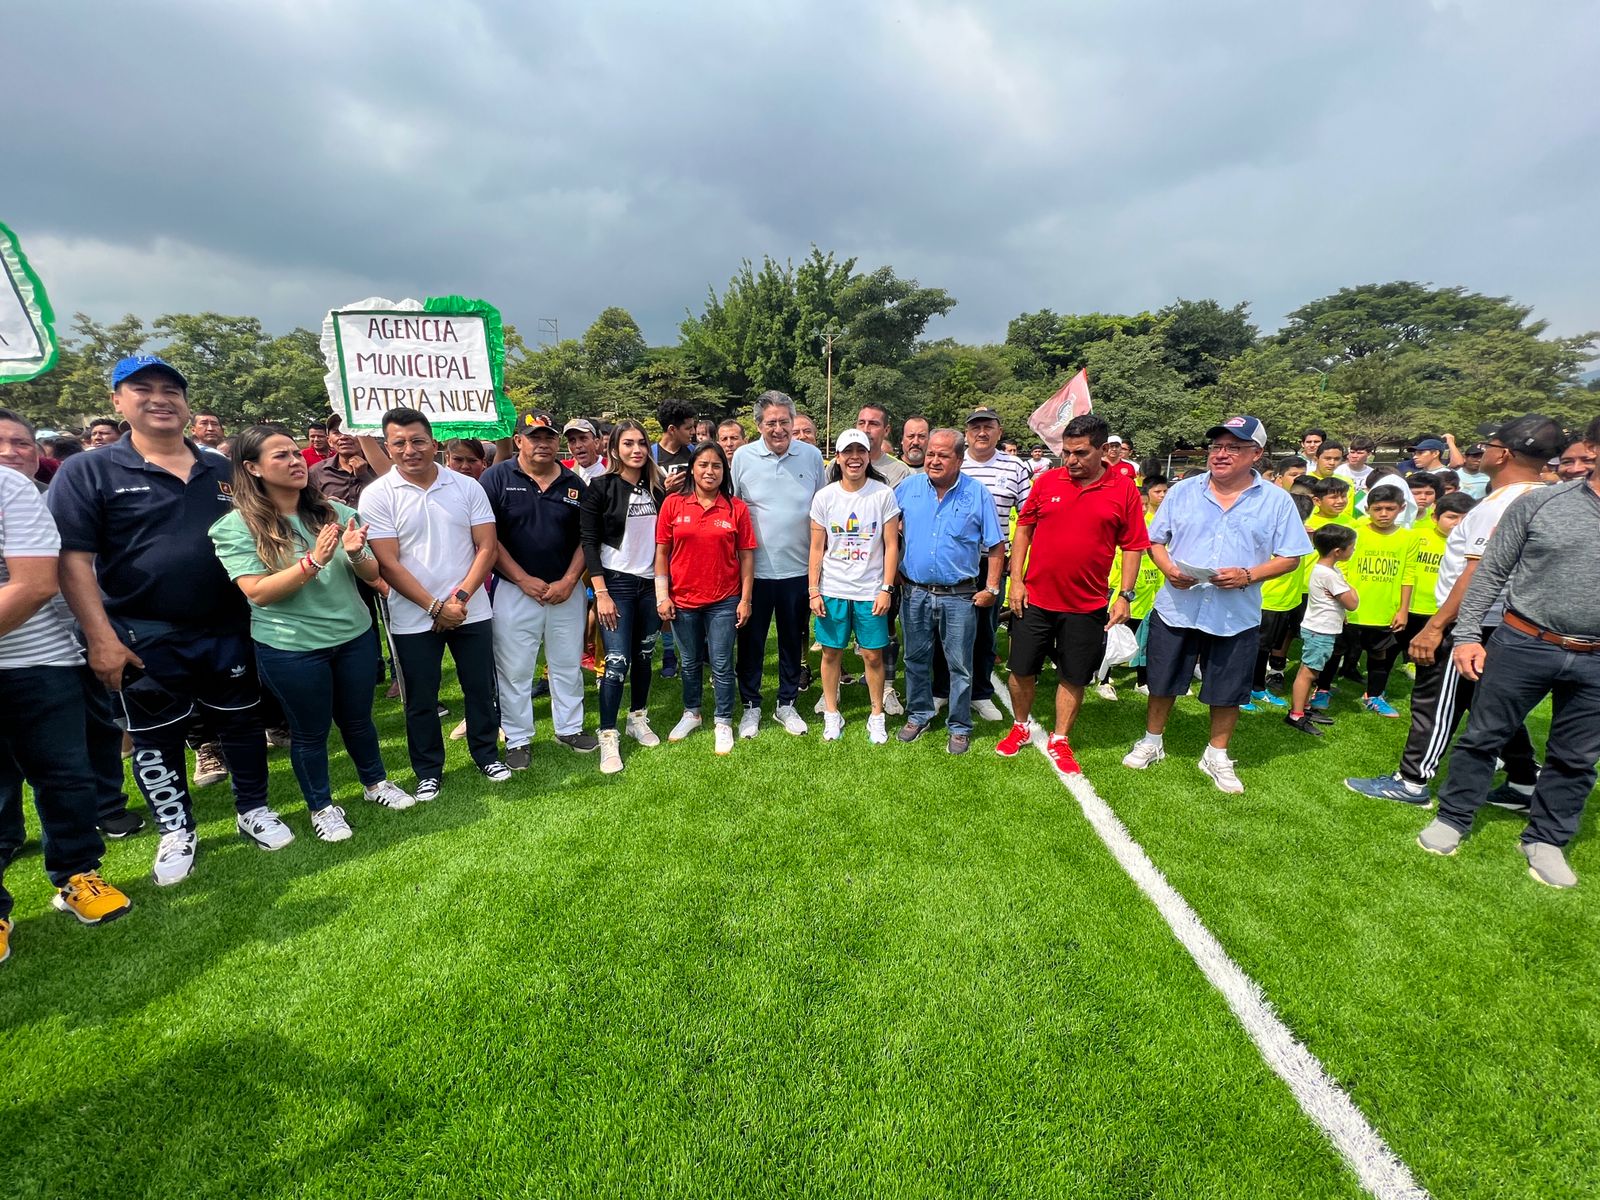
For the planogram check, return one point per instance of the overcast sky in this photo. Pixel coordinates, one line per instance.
(279, 158)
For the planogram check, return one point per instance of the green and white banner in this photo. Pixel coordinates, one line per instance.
(28, 346)
(444, 357)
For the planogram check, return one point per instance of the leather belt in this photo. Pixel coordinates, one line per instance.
(1576, 645)
(962, 587)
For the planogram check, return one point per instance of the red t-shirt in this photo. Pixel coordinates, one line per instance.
(1076, 533)
(313, 457)
(1125, 468)
(703, 547)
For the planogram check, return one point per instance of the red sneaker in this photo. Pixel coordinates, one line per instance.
(1014, 741)
(1061, 754)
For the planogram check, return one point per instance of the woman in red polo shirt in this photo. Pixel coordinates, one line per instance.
(705, 571)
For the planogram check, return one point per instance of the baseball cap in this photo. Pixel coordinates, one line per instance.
(1113, 440)
(1532, 436)
(1474, 451)
(1430, 444)
(852, 437)
(1245, 428)
(579, 425)
(534, 419)
(135, 363)
(983, 414)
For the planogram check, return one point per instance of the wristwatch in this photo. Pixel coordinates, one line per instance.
(1128, 595)
(462, 596)
(886, 587)
(993, 591)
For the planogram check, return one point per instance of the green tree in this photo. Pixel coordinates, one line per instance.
(1266, 382)
(613, 345)
(1201, 337)
(1140, 395)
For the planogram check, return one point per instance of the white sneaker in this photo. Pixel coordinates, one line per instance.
(638, 728)
(687, 724)
(750, 722)
(786, 716)
(610, 752)
(174, 857)
(724, 735)
(1221, 771)
(330, 825)
(891, 703)
(877, 734)
(388, 795)
(938, 704)
(1144, 753)
(1105, 690)
(988, 710)
(459, 732)
(820, 707)
(1142, 688)
(265, 828)
(832, 726)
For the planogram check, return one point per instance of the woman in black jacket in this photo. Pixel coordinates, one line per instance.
(618, 531)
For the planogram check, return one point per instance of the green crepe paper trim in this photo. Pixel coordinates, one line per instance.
(494, 335)
(36, 303)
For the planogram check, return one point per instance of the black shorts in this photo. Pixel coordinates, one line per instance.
(1075, 642)
(1277, 626)
(1227, 664)
(182, 668)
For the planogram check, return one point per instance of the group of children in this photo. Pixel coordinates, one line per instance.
(1367, 588)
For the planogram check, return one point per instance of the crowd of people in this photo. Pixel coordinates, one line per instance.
(164, 586)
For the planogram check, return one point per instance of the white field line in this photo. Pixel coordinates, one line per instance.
(1377, 1167)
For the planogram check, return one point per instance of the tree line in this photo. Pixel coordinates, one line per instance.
(1391, 359)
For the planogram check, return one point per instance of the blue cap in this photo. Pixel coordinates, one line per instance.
(135, 363)
(1431, 444)
(1246, 429)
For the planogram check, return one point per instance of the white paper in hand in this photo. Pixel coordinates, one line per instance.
(1198, 574)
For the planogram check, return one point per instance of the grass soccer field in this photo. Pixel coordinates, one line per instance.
(810, 969)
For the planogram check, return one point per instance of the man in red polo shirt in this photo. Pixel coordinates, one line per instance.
(1072, 524)
(1115, 460)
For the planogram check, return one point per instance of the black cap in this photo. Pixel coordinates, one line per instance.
(983, 414)
(534, 419)
(1532, 436)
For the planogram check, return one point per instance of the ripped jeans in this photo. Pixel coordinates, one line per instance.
(628, 646)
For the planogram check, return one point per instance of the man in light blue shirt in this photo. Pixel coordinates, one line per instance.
(951, 535)
(1216, 538)
(776, 477)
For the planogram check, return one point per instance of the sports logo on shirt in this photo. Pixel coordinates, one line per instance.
(572, 495)
(225, 490)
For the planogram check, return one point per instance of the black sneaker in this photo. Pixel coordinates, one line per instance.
(1318, 718)
(541, 687)
(583, 743)
(1275, 681)
(495, 772)
(669, 665)
(1507, 797)
(518, 757)
(1304, 724)
(910, 733)
(124, 824)
(427, 789)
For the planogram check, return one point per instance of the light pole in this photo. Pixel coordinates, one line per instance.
(827, 335)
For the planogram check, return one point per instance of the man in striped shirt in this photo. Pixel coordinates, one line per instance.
(1008, 481)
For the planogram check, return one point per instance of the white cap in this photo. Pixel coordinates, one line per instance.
(852, 437)
(1113, 440)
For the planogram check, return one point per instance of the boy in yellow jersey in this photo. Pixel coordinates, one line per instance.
(1146, 584)
(1332, 496)
(1422, 574)
(1282, 604)
(1376, 570)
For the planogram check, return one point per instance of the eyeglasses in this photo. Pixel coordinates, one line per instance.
(1230, 449)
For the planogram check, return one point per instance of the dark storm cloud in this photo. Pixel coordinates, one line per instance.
(277, 158)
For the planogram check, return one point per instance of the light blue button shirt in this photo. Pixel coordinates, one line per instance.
(945, 539)
(778, 490)
(1263, 522)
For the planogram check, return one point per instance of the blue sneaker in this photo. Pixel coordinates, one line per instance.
(1268, 698)
(1319, 701)
(1377, 704)
(1391, 787)
(1248, 707)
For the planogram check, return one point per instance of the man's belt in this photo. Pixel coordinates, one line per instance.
(962, 587)
(1576, 645)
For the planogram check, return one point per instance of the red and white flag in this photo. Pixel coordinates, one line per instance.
(1051, 417)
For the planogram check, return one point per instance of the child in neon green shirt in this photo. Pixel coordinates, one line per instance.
(1376, 570)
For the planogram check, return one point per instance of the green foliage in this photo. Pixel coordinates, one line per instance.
(1138, 392)
(613, 344)
(1266, 382)
(1201, 337)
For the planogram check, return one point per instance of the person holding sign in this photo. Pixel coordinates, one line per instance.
(433, 532)
(296, 556)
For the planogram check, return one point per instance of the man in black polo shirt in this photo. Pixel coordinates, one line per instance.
(538, 600)
(166, 629)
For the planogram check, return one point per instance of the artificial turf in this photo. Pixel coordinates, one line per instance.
(807, 969)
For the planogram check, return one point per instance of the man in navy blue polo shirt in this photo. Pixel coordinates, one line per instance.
(539, 600)
(166, 629)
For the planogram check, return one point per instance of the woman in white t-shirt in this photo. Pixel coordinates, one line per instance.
(617, 527)
(855, 550)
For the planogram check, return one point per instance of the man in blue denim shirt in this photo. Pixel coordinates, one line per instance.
(1233, 531)
(951, 534)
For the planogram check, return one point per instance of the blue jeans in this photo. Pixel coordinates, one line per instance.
(1518, 673)
(952, 623)
(317, 689)
(712, 627)
(628, 646)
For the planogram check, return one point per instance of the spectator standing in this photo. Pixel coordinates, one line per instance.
(583, 449)
(914, 441)
(1474, 479)
(296, 556)
(951, 535)
(434, 535)
(1238, 531)
(873, 420)
(777, 477)
(539, 602)
(316, 443)
(1116, 461)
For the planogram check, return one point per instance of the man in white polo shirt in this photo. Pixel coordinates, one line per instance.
(434, 534)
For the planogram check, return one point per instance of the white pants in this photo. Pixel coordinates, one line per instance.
(521, 625)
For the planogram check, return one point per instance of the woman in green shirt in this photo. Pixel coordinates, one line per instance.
(296, 556)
